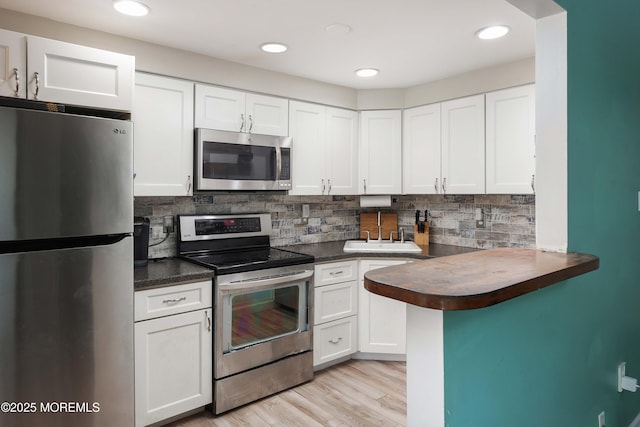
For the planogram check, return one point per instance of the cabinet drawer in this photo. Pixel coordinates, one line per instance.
(334, 340)
(335, 272)
(334, 302)
(175, 299)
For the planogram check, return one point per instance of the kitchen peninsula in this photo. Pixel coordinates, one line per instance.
(468, 281)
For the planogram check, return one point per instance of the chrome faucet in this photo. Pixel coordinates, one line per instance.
(391, 235)
(368, 235)
(379, 228)
(401, 234)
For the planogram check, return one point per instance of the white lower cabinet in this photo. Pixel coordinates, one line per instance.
(382, 322)
(335, 311)
(334, 340)
(173, 351)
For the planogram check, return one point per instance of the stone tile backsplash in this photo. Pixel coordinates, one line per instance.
(509, 219)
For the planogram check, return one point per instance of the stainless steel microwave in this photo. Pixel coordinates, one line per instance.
(241, 161)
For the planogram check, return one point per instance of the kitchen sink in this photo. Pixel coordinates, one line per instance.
(380, 246)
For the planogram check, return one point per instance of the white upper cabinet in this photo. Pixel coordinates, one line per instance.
(65, 73)
(237, 111)
(13, 64)
(511, 140)
(341, 165)
(308, 130)
(463, 146)
(380, 152)
(421, 150)
(325, 149)
(163, 136)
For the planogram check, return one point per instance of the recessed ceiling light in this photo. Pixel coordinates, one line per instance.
(131, 7)
(493, 32)
(366, 72)
(337, 28)
(273, 47)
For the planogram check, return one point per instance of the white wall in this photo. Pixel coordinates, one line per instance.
(474, 82)
(551, 133)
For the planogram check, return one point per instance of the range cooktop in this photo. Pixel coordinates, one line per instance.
(233, 243)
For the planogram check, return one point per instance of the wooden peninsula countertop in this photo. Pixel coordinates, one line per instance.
(476, 279)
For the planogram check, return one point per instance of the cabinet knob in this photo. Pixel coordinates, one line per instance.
(436, 185)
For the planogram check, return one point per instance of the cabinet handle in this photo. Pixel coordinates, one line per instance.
(15, 72)
(36, 76)
(174, 300)
(444, 185)
(436, 185)
(188, 184)
(323, 186)
(335, 341)
(329, 191)
(250, 123)
(365, 186)
(533, 182)
(335, 273)
(241, 122)
(206, 315)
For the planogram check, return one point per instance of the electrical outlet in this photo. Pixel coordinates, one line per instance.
(601, 419)
(167, 224)
(305, 211)
(480, 224)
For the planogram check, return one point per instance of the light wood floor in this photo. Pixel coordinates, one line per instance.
(353, 393)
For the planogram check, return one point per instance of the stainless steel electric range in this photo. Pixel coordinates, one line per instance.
(263, 339)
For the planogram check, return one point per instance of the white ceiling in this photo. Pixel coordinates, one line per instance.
(410, 41)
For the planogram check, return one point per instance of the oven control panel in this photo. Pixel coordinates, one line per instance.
(207, 227)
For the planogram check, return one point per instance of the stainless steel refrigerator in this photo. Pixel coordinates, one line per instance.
(66, 270)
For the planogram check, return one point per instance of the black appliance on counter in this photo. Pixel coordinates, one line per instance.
(263, 299)
(140, 241)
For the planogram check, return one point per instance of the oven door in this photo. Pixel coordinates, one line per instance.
(242, 161)
(262, 319)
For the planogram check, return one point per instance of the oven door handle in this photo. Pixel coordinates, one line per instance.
(262, 283)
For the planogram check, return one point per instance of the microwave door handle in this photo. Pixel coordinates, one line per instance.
(262, 283)
(278, 163)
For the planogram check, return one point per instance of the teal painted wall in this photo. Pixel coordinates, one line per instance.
(549, 358)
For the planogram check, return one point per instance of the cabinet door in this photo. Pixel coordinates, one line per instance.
(342, 151)
(463, 146)
(13, 64)
(79, 75)
(219, 108)
(380, 152)
(307, 127)
(511, 140)
(421, 150)
(163, 136)
(382, 322)
(267, 115)
(173, 365)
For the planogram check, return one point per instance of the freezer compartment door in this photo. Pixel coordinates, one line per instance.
(64, 175)
(66, 335)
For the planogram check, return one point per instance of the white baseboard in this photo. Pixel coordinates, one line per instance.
(635, 422)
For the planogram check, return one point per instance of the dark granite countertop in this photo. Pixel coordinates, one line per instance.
(332, 251)
(168, 271)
